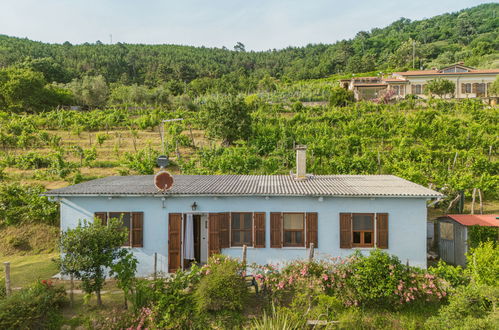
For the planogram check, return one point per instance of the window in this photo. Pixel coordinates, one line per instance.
(398, 90)
(418, 89)
(133, 224)
(241, 229)
(446, 230)
(293, 229)
(466, 88)
(363, 230)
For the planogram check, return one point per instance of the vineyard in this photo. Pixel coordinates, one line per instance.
(450, 145)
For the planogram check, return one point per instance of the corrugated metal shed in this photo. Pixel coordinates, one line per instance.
(281, 185)
(488, 220)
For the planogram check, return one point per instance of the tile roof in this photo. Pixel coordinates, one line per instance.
(488, 220)
(319, 185)
(437, 72)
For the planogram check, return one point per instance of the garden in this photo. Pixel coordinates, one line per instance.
(375, 291)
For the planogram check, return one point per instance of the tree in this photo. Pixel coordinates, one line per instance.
(90, 248)
(124, 272)
(341, 97)
(440, 87)
(494, 88)
(89, 91)
(239, 47)
(227, 118)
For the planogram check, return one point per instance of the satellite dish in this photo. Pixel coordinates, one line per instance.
(163, 181)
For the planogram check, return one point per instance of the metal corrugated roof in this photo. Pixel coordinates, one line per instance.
(285, 185)
(488, 220)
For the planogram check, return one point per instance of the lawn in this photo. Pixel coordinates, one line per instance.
(24, 270)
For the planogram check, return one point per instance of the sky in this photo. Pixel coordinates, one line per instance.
(258, 24)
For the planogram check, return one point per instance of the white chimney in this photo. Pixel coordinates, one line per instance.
(301, 162)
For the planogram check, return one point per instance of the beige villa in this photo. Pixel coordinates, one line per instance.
(470, 82)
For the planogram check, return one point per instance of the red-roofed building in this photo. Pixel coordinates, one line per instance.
(453, 234)
(470, 83)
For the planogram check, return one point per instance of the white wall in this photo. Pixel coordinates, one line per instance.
(407, 223)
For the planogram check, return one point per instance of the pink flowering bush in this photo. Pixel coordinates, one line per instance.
(377, 280)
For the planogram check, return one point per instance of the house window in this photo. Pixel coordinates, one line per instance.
(241, 229)
(293, 229)
(363, 230)
(133, 224)
(466, 88)
(418, 89)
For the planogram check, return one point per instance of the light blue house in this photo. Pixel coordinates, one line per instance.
(276, 216)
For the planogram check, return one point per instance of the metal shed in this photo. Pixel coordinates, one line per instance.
(453, 234)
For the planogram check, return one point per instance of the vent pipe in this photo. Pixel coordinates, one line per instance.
(301, 162)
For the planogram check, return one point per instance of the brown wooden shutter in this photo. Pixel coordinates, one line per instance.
(137, 229)
(174, 241)
(382, 230)
(102, 216)
(463, 88)
(213, 233)
(224, 230)
(312, 230)
(259, 229)
(345, 230)
(275, 230)
(413, 89)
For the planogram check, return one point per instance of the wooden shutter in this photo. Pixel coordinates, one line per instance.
(224, 230)
(213, 234)
(102, 216)
(275, 230)
(463, 88)
(174, 241)
(345, 230)
(413, 89)
(312, 230)
(137, 229)
(382, 230)
(259, 229)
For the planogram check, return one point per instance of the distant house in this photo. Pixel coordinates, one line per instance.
(470, 82)
(453, 234)
(276, 216)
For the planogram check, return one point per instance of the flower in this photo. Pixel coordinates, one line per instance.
(325, 277)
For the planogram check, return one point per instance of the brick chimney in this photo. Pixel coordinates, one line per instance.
(301, 162)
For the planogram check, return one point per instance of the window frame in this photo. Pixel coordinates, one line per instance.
(232, 244)
(467, 88)
(362, 243)
(303, 231)
(130, 227)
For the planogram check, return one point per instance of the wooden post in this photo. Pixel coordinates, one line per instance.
(192, 137)
(7, 278)
(155, 265)
(473, 201)
(480, 199)
(311, 253)
(245, 248)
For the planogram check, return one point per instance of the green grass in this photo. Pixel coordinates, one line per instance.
(24, 270)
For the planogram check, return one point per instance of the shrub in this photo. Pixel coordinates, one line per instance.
(279, 318)
(467, 304)
(455, 275)
(2, 288)
(35, 307)
(340, 97)
(483, 264)
(20, 243)
(175, 306)
(222, 287)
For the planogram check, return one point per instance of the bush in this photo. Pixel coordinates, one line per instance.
(2, 288)
(279, 318)
(222, 287)
(483, 264)
(340, 97)
(35, 307)
(455, 275)
(467, 305)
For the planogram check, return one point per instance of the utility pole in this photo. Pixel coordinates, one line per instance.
(111, 39)
(163, 135)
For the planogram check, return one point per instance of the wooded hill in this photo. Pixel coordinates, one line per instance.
(469, 35)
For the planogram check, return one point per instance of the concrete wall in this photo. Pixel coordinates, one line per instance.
(407, 223)
(456, 79)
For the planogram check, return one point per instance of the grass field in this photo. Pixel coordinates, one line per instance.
(25, 270)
